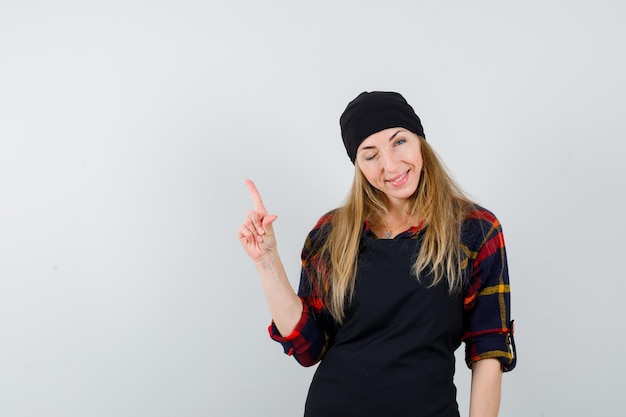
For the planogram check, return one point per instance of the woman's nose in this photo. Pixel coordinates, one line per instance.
(389, 161)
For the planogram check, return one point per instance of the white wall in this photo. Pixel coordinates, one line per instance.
(127, 129)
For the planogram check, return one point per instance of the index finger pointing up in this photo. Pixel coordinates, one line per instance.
(256, 198)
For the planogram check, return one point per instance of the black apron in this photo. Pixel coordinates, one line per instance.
(394, 354)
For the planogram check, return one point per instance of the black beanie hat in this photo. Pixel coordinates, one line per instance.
(372, 112)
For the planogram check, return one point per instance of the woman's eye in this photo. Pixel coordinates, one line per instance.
(369, 158)
(400, 141)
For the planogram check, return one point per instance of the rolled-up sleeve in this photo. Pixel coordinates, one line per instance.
(488, 329)
(305, 343)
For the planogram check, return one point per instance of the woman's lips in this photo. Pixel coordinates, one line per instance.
(400, 180)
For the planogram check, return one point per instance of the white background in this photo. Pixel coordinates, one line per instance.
(127, 129)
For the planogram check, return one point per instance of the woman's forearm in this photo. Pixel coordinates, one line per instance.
(284, 304)
(486, 388)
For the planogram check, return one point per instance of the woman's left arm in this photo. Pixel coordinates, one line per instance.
(486, 388)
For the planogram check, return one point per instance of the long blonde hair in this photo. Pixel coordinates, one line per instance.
(437, 201)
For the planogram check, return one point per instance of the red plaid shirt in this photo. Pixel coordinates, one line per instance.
(488, 329)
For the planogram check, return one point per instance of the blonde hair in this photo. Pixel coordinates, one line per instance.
(437, 201)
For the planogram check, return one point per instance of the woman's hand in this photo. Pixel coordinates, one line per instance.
(256, 234)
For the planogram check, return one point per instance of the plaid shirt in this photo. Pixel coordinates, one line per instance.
(488, 329)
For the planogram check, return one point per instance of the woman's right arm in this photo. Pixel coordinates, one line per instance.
(257, 238)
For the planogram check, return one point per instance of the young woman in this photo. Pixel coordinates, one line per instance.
(392, 281)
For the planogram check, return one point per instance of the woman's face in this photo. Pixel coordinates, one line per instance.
(391, 161)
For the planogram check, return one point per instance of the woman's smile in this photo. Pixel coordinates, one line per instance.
(400, 180)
